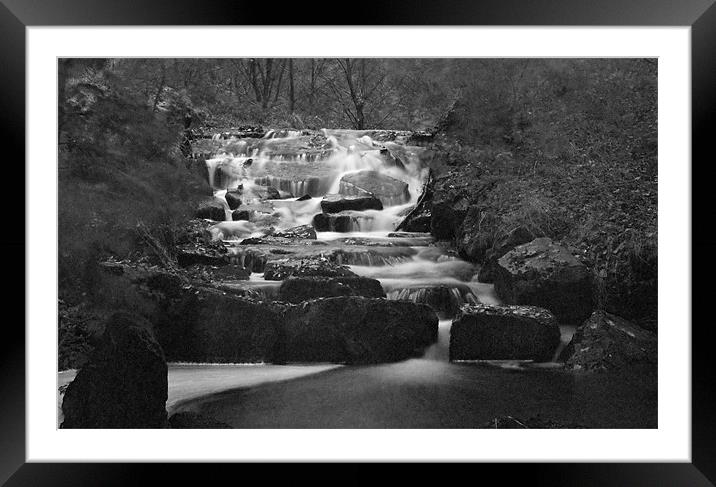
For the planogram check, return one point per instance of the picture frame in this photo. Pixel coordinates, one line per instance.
(700, 15)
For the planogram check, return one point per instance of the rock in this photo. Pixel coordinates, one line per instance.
(211, 210)
(484, 332)
(305, 197)
(279, 270)
(324, 222)
(238, 215)
(298, 289)
(210, 253)
(272, 193)
(418, 218)
(474, 236)
(518, 236)
(391, 160)
(233, 199)
(124, 384)
(191, 420)
(302, 231)
(418, 221)
(388, 190)
(448, 211)
(209, 325)
(335, 203)
(357, 330)
(542, 273)
(606, 342)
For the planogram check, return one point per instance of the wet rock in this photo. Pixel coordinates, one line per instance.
(233, 199)
(298, 289)
(124, 385)
(391, 160)
(339, 222)
(238, 215)
(281, 269)
(484, 332)
(192, 420)
(334, 203)
(272, 193)
(357, 330)
(305, 197)
(389, 191)
(211, 210)
(607, 342)
(542, 273)
(418, 218)
(300, 232)
(444, 300)
(418, 221)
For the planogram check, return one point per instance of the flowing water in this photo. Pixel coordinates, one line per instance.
(304, 167)
(425, 392)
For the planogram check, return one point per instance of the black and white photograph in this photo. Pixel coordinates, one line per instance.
(357, 242)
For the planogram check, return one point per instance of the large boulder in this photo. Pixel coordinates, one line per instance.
(542, 273)
(209, 325)
(389, 191)
(606, 342)
(298, 289)
(211, 210)
(356, 330)
(335, 203)
(124, 384)
(517, 236)
(485, 332)
(278, 270)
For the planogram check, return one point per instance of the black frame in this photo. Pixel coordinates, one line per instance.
(15, 15)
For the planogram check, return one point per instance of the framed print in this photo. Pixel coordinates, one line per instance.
(436, 235)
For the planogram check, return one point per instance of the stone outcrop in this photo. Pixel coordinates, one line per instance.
(124, 384)
(542, 273)
(484, 332)
(298, 289)
(608, 342)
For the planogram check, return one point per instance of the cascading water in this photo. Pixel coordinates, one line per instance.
(301, 169)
